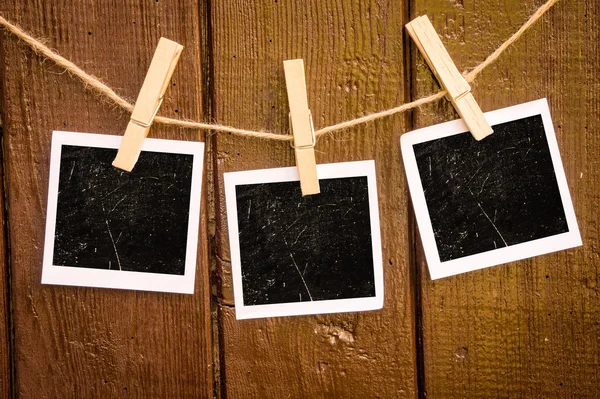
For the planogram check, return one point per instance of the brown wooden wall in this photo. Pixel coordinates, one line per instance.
(526, 329)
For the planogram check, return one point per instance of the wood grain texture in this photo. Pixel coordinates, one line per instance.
(530, 328)
(527, 329)
(83, 342)
(5, 353)
(353, 55)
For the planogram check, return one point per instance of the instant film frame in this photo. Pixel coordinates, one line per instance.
(290, 174)
(509, 253)
(122, 279)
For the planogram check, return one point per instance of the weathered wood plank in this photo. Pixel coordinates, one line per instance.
(82, 342)
(353, 53)
(529, 328)
(5, 355)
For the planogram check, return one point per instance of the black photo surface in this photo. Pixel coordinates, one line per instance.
(299, 249)
(497, 192)
(110, 219)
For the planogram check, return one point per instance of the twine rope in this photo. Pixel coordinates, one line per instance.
(97, 85)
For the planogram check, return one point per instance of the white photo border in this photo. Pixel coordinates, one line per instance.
(324, 171)
(438, 269)
(100, 278)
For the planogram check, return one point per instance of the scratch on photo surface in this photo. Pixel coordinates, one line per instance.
(429, 166)
(117, 204)
(72, 168)
(530, 147)
(290, 226)
(349, 209)
(488, 218)
(482, 185)
(475, 174)
(112, 239)
(298, 237)
(299, 273)
(118, 188)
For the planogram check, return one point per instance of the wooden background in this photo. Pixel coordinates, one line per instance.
(526, 329)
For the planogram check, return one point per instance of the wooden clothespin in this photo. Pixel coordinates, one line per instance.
(148, 102)
(459, 91)
(301, 126)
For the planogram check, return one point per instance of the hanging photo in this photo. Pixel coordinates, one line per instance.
(294, 255)
(484, 203)
(114, 229)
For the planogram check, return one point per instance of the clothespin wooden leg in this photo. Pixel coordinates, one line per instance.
(301, 126)
(148, 102)
(459, 91)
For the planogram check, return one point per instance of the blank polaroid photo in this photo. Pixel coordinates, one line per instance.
(294, 255)
(114, 229)
(498, 200)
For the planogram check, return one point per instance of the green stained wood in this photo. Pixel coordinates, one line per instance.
(354, 59)
(530, 328)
